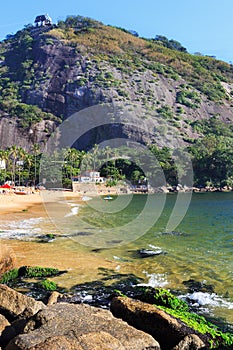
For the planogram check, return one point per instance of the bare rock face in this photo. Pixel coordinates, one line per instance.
(7, 259)
(79, 327)
(14, 304)
(3, 324)
(166, 329)
(190, 342)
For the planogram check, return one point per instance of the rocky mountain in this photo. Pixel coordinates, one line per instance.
(48, 73)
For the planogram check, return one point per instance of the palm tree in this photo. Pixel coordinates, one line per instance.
(107, 152)
(4, 155)
(21, 156)
(13, 153)
(28, 164)
(86, 161)
(35, 151)
(95, 152)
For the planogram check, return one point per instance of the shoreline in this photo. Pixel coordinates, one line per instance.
(13, 203)
(83, 265)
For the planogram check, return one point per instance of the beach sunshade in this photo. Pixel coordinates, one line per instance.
(5, 186)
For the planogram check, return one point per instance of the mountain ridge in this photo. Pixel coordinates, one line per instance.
(81, 62)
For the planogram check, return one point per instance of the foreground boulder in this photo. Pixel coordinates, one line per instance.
(79, 327)
(14, 304)
(3, 324)
(190, 342)
(7, 259)
(168, 330)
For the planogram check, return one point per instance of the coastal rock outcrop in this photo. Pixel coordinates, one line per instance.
(168, 330)
(192, 342)
(7, 259)
(67, 326)
(3, 324)
(14, 304)
(26, 324)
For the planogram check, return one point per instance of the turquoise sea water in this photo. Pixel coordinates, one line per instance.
(200, 249)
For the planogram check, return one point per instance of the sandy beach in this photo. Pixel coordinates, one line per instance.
(62, 254)
(11, 202)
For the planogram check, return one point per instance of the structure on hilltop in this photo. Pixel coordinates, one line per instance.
(43, 20)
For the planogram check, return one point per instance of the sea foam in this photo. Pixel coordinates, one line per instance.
(207, 299)
(21, 229)
(155, 280)
(74, 211)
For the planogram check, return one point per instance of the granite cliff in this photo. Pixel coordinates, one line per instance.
(47, 74)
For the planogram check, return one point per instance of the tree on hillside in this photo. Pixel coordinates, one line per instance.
(170, 44)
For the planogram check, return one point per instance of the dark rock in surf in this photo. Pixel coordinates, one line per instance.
(166, 329)
(196, 286)
(174, 233)
(146, 253)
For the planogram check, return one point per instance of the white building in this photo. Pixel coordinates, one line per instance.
(89, 176)
(2, 164)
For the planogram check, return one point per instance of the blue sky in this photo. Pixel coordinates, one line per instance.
(200, 25)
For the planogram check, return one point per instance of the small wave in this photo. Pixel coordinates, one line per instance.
(207, 299)
(116, 257)
(21, 229)
(26, 223)
(87, 298)
(155, 280)
(155, 249)
(86, 198)
(74, 211)
(118, 267)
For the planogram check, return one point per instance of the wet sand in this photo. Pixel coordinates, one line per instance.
(82, 264)
(11, 202)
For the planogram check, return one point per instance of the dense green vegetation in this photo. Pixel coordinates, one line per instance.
(201, 72)
(178, 308)
(17, 76)
(212, 159)
(33, 278)
(218, 339)
(128, 55)
(48, 285)
(28, 272)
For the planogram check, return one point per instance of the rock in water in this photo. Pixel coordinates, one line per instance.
(168, 330)
(145, 253)
(80, 327)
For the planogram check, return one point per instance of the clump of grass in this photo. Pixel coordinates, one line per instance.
(217, 338)
(162, 297)
(28, 272)
(166, 301)
(48, 285)
(37, 271)
(9, 276)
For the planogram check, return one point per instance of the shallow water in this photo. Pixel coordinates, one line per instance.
(103, 237)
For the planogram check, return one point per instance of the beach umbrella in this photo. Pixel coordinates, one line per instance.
(6, 186)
